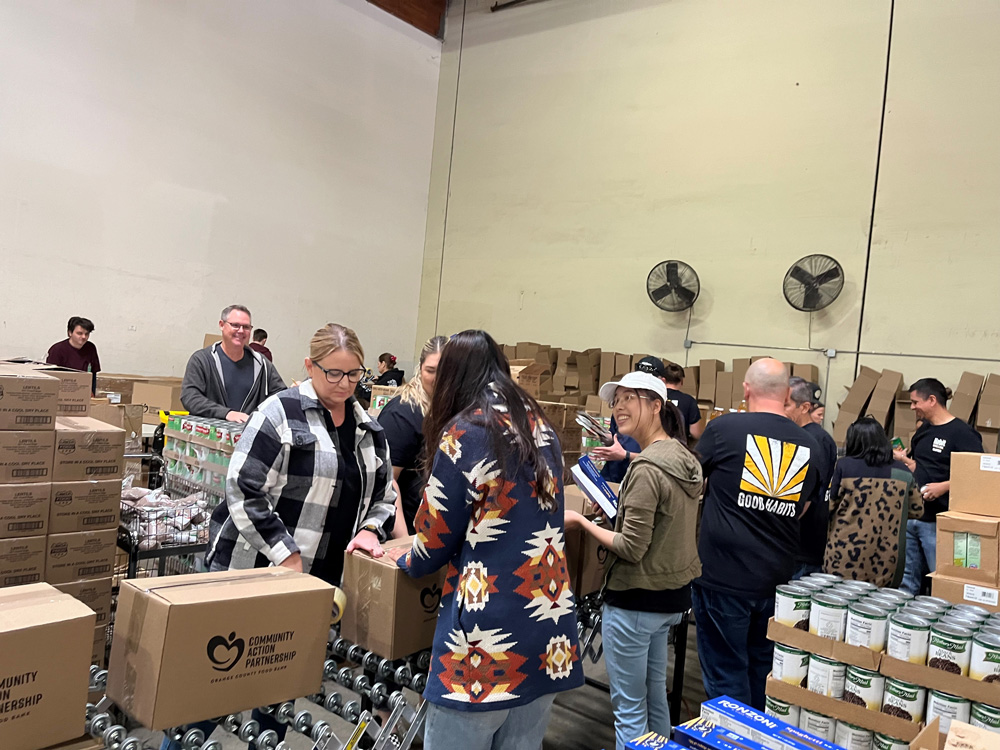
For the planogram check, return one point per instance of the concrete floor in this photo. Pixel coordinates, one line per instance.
(581, 719)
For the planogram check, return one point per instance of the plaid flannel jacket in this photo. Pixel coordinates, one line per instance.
(285, 467)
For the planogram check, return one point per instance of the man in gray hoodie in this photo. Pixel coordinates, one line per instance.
(228, 380)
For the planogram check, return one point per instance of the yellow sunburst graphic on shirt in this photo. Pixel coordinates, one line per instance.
(774, 468)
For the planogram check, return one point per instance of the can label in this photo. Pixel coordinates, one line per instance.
(827, 622)
(985, 717)
(863, 687)
(826, 677)
(787, 712)
(865, 631)
(949, 653)
(816, 724)
(904, 700)
(947, 707)
(790, 665)
(791, 608)
(984, 664)
(885, 742)
(853, 738)
(907, 643)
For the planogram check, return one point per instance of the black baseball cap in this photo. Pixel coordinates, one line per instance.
(652, 365)
(815, 395)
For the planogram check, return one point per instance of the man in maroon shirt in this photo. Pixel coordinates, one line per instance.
(77, 352)
(258, 343)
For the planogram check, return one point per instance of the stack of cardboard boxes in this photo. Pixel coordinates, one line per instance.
(60, 492)
(154, 393)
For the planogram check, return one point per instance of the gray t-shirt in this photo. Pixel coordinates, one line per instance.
(238, 379)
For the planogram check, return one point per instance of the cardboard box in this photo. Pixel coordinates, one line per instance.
(884, 396)
(526, 350)
(24, 509)
(210, 338)
(904, 420)
(962, 736)
(22, 561)
(988, 413)
(724, 390)
(26, 457)
(585, 561)
(963, 403)
(991, 439)
(987, 529)
(157, 395)
(83, 743)
(740, 367)
(99, 649)
(623, 364)
(75, 386)
(46, 639)
(701, 734)
(606, 372)
(29, 399)
(808, 372)
(938, 679)
(188, 648)
(844, 420)
(83, 556)
(831, 649)
(387, 611)
(85, 506)
(708, 371)
(860, 391)
(975, 483)
(651, 741)
(127, 416)
(531, 376)
(842, 710)
(381, 395)
(757, 726)
(930, 737)
(95, 594)
(692, 376)
(963, 592)
(118, 386)
(87, 449)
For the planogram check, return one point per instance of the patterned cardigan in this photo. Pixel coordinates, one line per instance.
(284, 469)
(506, 633)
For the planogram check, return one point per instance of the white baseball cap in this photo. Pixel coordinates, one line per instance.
(638, 380)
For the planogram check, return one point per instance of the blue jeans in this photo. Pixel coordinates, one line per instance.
(921, 554)
(635, 653)
(520, 728)
(805, 569)
(733, 648)
(266, 722)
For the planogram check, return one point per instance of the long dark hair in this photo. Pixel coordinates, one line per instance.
(867, 440)
(474, 375)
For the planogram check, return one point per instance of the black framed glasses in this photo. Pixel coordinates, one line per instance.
(335, 376)
(240, 326)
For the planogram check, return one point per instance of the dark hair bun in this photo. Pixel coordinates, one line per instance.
(947, 393)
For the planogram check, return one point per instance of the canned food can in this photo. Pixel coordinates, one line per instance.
(864, 586)
(972, 609)
(904, 700)
(927, 611)
(908, 638)
(866, 626)
(863, 687)
(885, 742)
(884, 601)
(828, 616)
(787, 712)
(830, 578)
(818, 725)
(791, 606)
(984, 664)
(950, 648)
(826, 676)
(852, 737)
(947, 707)
(985, 717)
(935, 600)
(812, 585)
(790, 665)
(903, 596)
(991, 629)
(961, 621)
(846, 592)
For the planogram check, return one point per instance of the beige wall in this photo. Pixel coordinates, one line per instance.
(159, 160)
(594, 139)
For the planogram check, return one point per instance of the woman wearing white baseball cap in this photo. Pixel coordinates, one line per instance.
(653, 556)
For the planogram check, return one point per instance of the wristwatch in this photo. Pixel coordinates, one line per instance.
(628, 455)
(373, 528)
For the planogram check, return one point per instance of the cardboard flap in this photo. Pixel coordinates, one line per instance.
(938, 679)
(857, 715)
(836, 650)
(930, 737)
(966, 522)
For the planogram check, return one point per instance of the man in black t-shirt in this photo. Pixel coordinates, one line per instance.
(802, 396)
(760, 473)
(929, 458)
(673, 376)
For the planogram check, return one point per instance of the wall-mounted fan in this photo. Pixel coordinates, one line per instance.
(813, 282)
(673, 285)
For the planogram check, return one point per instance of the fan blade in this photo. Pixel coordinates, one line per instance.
(812, 298)
(828, 275)
(685, 294)
(659, 293)
(672, 276)
(802, 276)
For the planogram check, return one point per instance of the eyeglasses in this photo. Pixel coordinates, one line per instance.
(335, 376)
(240, 326)
(625, 399)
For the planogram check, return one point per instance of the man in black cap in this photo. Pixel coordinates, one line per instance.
(803, 397)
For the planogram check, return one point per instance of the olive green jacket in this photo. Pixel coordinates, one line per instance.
(654, 547)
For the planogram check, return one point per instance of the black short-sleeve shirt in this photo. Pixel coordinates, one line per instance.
(931, 447)
(403, 425)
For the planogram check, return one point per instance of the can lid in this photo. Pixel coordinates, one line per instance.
(850, 594)
(830, 600)
(869, 610)
(952, 631)
(927, 613)
(865, 585)
(895, 682)
(825, 660)
(943, 603)
(857, 671)
(831, 577)
(791, 589)
(908, 620)
(789, 649)
(948, 697)
(988, 639)
(971, 609)
(986, 709)
(853, 727)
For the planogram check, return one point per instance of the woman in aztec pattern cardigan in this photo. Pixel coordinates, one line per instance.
(492, 514)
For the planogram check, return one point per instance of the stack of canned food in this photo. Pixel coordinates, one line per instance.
(962, 639)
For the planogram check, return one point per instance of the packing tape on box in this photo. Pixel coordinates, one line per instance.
(339, 604)
(363, 609)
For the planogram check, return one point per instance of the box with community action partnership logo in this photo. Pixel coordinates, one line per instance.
(188, 648)
(387, 611)
(763, 729)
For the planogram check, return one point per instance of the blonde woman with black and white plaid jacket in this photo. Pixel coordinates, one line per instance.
(310, 477)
